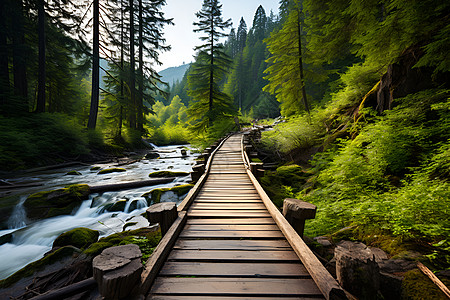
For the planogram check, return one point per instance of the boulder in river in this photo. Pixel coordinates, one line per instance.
(53, 203)
(152, 155)
(154, 196)
(167, 174)
(79, 237)
(73, 172)
(111, 170)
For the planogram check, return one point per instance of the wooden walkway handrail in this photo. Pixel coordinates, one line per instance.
(325, 282)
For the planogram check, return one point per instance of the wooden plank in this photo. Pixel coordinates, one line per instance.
(231, 286)
(229, 197)
(180, 297)
(240, 234)
(158, 257)
(228, 206)
(227, 201)
(243, 245)
(227, 213)
(246, 227)
(237, 221)
(234, 269)
(233, 255)
(229, 193)
(227, 188)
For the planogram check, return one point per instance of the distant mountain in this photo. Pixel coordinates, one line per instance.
(173, 74)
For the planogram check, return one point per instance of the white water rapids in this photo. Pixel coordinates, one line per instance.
(32, 240)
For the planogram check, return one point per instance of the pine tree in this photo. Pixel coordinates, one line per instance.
(209, 102)
(285, 72)
(241, 35)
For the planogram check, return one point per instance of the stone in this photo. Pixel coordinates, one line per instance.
(183, 152)
(73, 172)
(111, 170)
(117, 270)
(323, 240)
(152, 155)
(159, 174)
(357, 270)
(79, 237)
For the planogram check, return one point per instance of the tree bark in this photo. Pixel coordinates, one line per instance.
(4, 70)
(140, 100)
(40, 105)
(19, 56)
(211, 71)
(132, 70)
(92, 122)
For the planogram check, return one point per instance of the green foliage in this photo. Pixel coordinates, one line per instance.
(417, 286)
(34, 139)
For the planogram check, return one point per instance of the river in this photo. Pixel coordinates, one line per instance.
(32, 240)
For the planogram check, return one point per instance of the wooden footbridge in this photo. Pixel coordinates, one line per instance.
(230, 242)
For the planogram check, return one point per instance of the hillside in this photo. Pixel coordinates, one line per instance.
(173, 74)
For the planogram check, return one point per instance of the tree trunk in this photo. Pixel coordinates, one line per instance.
(122, 42)
(92, 122)
(19, 56)
(300, 62)
(132, 70)
(140, 100)
(40, 105)
(211, 71)
(4, 70)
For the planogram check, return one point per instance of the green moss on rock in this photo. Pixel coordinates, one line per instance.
(417, 286)
(79, 237)
(95, 168)
(63, 201)
(155, 195)
(168, 174)
(111, 170)
(38, 265)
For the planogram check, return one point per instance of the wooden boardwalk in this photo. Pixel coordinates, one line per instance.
(228, 245)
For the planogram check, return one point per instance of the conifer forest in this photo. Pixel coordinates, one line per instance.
(357, 94)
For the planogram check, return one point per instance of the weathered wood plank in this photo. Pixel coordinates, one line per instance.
(231, 286)
(234, 227)
(236, 221)
(243, 245)
(227, 213)
(227, 201)
(241, 234)
(228, 206)
(179, 297)
(233, 255)
(234, 269)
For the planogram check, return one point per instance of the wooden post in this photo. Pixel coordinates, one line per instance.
(197, 172)
(255, 166)
(296, 212)
(163, 213)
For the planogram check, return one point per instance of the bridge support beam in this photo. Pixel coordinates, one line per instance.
(296, 212)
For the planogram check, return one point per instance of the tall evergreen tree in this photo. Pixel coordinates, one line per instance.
(285, 72)
(209, 102)
(241, 35)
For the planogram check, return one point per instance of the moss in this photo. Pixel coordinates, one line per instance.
(168, 174)
(155, 195)
(256, 160)
(47, 204)
(79, 237)
(118, 206)
(124, 238)
(73, 172)
(416, 285)
(111, 170)
(38, 265)
(95, 168)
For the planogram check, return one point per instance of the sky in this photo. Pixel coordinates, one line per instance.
(181, 36)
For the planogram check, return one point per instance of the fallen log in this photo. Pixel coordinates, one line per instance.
(129, 185)
(68, 291)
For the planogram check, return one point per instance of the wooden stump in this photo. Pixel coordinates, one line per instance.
(117, 270)
(357, 270)
(296, 212)
(197, 172)
(163, 213)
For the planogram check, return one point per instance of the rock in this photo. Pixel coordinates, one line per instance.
(111, 170)
(73, 172)
(63, 201)
(323, 240)
(390, 286)
(183, 152)
(95, 168)
(379, 254)
(154, 196)
(152, 155)
(117, 271)
(396, 265)
(117, 206)
(167, 174)
(7, 238)
(78, 237)
(416, 285)
(357, 270)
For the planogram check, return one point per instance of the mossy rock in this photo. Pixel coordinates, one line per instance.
(154, 196)
(416, 285)
(111, 170)
(30, 269)
(73, 172)
(117, 206)
(95, 168)
(53, 203)
(79, 237)
(124, 238)
(168, 174)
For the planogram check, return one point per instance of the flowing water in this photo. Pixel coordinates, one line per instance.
(32, 240)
